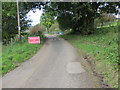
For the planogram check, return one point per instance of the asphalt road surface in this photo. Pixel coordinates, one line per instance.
(56, 65)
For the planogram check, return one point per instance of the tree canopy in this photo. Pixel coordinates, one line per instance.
(9, 17)
(47, 20)
(79, 16)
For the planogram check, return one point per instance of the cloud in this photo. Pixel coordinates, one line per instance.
(35, 17)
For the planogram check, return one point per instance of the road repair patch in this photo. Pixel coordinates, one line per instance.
(74, 68)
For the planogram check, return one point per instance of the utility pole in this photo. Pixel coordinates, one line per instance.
(19, 28)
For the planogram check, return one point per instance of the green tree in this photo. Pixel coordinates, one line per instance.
(47, 20)
(55, 27)
(79, 16)
(9, 17)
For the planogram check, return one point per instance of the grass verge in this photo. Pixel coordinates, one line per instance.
(102, 47)
(13, 56)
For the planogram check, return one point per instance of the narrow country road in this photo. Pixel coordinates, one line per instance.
(56, 65)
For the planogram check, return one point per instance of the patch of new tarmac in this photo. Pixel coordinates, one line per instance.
(56, 65)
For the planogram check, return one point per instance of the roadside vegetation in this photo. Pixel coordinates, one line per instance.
(102, 50)
(16, 52)
(89, 26)
(13, 56)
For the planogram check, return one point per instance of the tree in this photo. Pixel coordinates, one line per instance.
(55, 27)
(47, 20)
(9, 17)
(79, 16)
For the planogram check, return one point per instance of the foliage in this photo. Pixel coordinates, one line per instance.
(47, 20)
(9, 17)
(79, 16)
(65, 21)
(103, 19)
(13, 56)
(55, 27)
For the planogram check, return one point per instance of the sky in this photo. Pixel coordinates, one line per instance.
(35, 17)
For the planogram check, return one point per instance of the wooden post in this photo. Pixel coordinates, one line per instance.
(19, 28)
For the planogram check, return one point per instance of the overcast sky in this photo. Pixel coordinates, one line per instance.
(35, 17)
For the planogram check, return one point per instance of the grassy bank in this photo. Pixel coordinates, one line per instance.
(13, 56)
(102, 47)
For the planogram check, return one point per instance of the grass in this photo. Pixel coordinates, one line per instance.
(13, 56)
(0, 60)
(102, 47)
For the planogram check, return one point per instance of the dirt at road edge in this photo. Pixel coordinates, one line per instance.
(90, 67)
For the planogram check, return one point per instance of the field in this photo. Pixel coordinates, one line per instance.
(102, 48)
